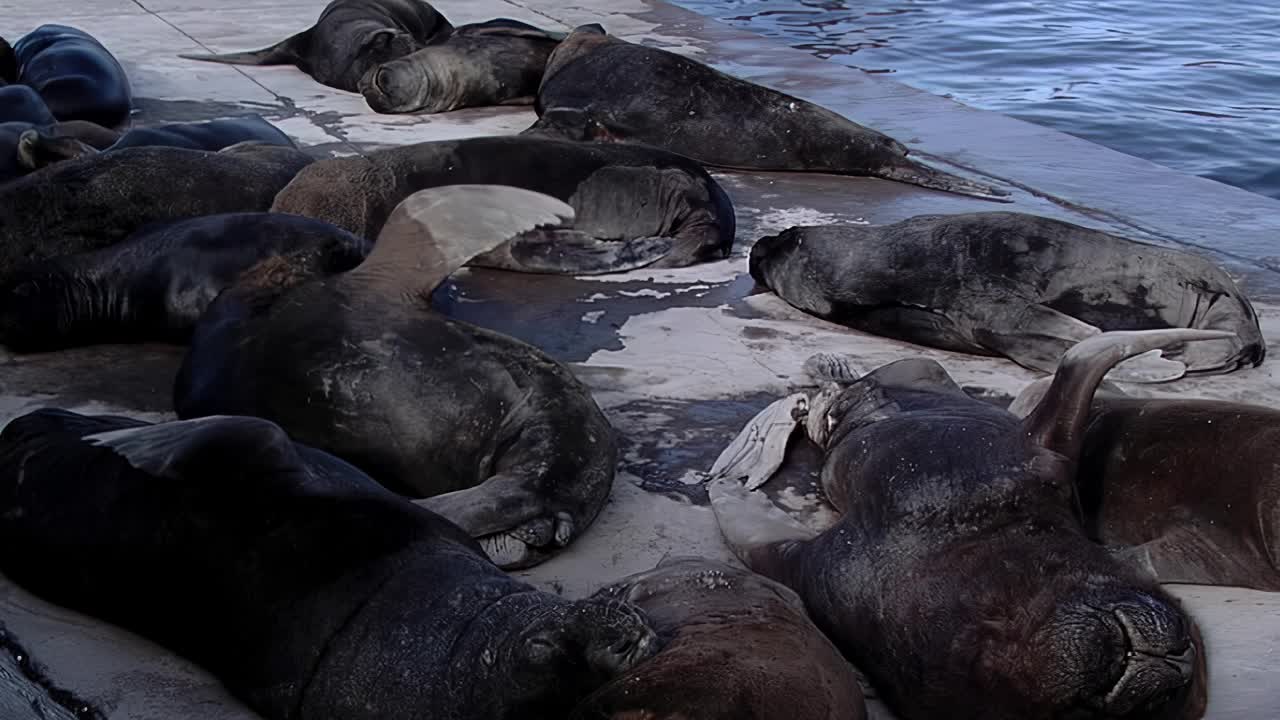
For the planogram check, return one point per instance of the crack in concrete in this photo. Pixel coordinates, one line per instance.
(65, 699)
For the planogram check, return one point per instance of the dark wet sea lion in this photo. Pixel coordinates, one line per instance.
(1184, 489)
(306, 588)
(634, 206)
(157, 283)
(18, 159)
(959, 577)
(8, 63)
(494, 434)
(21, 109)
(78, 78)
(598, 87)
(97, 201)
(39, 148)
(350, 38)
(737, 646)
(494, 63)
(1011, 284)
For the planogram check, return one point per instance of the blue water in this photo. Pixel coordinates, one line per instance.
(1193, 86)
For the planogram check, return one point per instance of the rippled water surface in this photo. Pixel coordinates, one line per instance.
(1191, 85)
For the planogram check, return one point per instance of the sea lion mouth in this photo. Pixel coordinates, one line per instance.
(1154, 670)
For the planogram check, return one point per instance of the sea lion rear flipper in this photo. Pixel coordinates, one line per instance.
(441, 229)
(573, 252)
(756, 530)
(284, 52)
(37, 149)
(913, 172)
(206, 446)
(760, 449)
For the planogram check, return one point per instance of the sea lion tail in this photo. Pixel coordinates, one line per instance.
(1058, 420)
(916, 173)
(282, 53)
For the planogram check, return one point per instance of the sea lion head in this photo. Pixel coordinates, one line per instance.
(407, 84)
(378, 46)
(573, 647)
(1097, 647)
(841, 406)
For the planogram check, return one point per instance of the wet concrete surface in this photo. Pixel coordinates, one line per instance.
(679, 359)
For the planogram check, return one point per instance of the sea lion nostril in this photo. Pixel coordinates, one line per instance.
(382, 79)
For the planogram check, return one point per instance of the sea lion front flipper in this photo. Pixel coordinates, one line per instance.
(573, 252)
(1190, 555)
(1037, 337)
(510, 28)
(760, 449)
(207, 446)
(434, 232)
(838, 368)
(756, 530)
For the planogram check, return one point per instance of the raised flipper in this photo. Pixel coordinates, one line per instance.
(1039, 336)
(760, 449)
(434, 232)
(284, 52)
(913, 172)
(38, 149)
(573, 252)
(510, 520)
(204, 446)
(756, 530)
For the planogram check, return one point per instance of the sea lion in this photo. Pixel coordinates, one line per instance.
(97, 201)
(737, 646)
(157, 283)
(959, 577)
(634, 206)
(350, 38)
(1185, 489)
(495, 63)
(8, 63)
(78, 78)
(21, 109)
(37, 148)
(495, 435)
(307, 589)
(599, 87)
(1010, 284)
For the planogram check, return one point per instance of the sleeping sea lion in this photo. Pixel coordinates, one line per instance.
(38, 148)
(350, 38)
(495, 435)
(634, 206)
(1184, 489)
(157, 283)
(99, 200)
(495, 63)
(599, 87)
(307, 589)
(78, 78)
(1011, 284)
(959, 577)
(736, 646)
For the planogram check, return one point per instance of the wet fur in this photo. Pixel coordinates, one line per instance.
(93, 202)
(78, 78)
(305, 587)
(620, 194)
(1005, 284)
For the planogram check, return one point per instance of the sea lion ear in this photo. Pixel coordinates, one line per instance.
(447, 226)
(206, 446)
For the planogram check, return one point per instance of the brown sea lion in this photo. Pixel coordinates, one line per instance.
(1187, 490)
(598, 87)
(737, 646)
(350, 38)
(959, 577)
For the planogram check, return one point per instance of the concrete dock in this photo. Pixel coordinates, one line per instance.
(679, 359)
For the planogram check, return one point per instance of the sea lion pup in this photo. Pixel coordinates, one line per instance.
(38, 148)
(495, 63)
(350, 38)
(156, 284)
(100, 200)
(737, 646)
(307, 589)
(634, 206)
(1185, 489)
(959, 577)
(1011, 284)
(78, 78)
(599, 87)
(492, 433)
